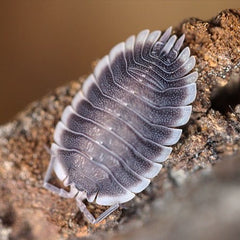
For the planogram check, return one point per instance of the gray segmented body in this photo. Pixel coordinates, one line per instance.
(111, 141)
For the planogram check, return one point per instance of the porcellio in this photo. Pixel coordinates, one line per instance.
(112, 139)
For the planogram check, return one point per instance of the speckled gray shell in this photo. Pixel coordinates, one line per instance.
(112, 139)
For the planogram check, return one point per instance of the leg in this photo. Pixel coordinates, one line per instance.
(107, 212)
(61, 192)
(89, 216)
(47, 149)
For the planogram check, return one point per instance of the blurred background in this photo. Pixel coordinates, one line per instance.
(46, 43)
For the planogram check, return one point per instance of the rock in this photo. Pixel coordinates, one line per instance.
(190, 198)
(206, 208)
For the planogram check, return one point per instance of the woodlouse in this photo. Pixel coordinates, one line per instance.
(112, 139)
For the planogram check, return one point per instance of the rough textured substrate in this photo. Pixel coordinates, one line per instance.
(196, 195)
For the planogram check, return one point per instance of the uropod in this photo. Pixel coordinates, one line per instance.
(112, 139)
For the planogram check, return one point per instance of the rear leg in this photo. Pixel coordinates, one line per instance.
(59, 191)
(89, 216)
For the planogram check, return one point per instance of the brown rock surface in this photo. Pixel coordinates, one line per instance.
(189, 199)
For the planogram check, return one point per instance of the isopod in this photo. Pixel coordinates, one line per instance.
(118, 130)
